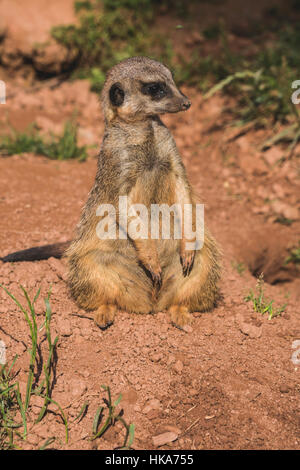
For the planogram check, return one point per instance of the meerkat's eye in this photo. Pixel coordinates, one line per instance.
(157, 90)
(116, 94)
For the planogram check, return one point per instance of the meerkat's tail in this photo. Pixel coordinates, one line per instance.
(38, 253)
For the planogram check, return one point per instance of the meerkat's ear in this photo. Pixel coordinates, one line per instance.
(116, 94)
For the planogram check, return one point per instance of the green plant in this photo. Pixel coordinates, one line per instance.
(283, 220)
(106, 33)
(111, 419)
(239, 266)
(10, 402)
(261, 84)
(63, 147)
(13, 406)
(294, 256)
(260, 303)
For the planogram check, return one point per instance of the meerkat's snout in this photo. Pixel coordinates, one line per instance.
(186, 104)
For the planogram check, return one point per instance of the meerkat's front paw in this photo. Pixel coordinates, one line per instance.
(104, 315)
(180, 316)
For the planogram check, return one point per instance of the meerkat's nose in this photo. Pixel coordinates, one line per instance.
(186, 104)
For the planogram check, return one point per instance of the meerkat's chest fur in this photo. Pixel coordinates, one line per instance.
(145, 153)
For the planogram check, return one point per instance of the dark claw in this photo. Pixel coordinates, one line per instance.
(157, 280)
(156, 277)
(187, 264)
(106, 326)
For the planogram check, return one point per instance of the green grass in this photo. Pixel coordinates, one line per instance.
(239, 267)
(111, 419)
(260, 303)
(63, 147)
(261, 84)
(294, 256)
(106, 33)
(14, 407)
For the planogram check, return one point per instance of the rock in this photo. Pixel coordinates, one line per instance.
(171, 428)
(153, 404)
(164, 438)
(64, 327)
(250, 330)
(188, 329)
(77, 388)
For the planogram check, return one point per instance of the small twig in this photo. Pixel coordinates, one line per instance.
(190, 427)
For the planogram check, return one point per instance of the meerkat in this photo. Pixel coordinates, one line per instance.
(139, 159)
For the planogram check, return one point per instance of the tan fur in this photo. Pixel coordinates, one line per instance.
(139, 159)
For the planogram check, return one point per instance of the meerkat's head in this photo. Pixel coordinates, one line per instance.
(139, 87)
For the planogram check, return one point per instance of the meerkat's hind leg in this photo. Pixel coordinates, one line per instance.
(104, 315)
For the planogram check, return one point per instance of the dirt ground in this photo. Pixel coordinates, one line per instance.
(229, 382)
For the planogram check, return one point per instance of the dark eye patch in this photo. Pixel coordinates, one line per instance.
(116, 94)
(156, 90)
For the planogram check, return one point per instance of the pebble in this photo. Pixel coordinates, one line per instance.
(153, 404)
(164, 438)
(171, 428)
(250, 330)
(64, 327)
(188, 329)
